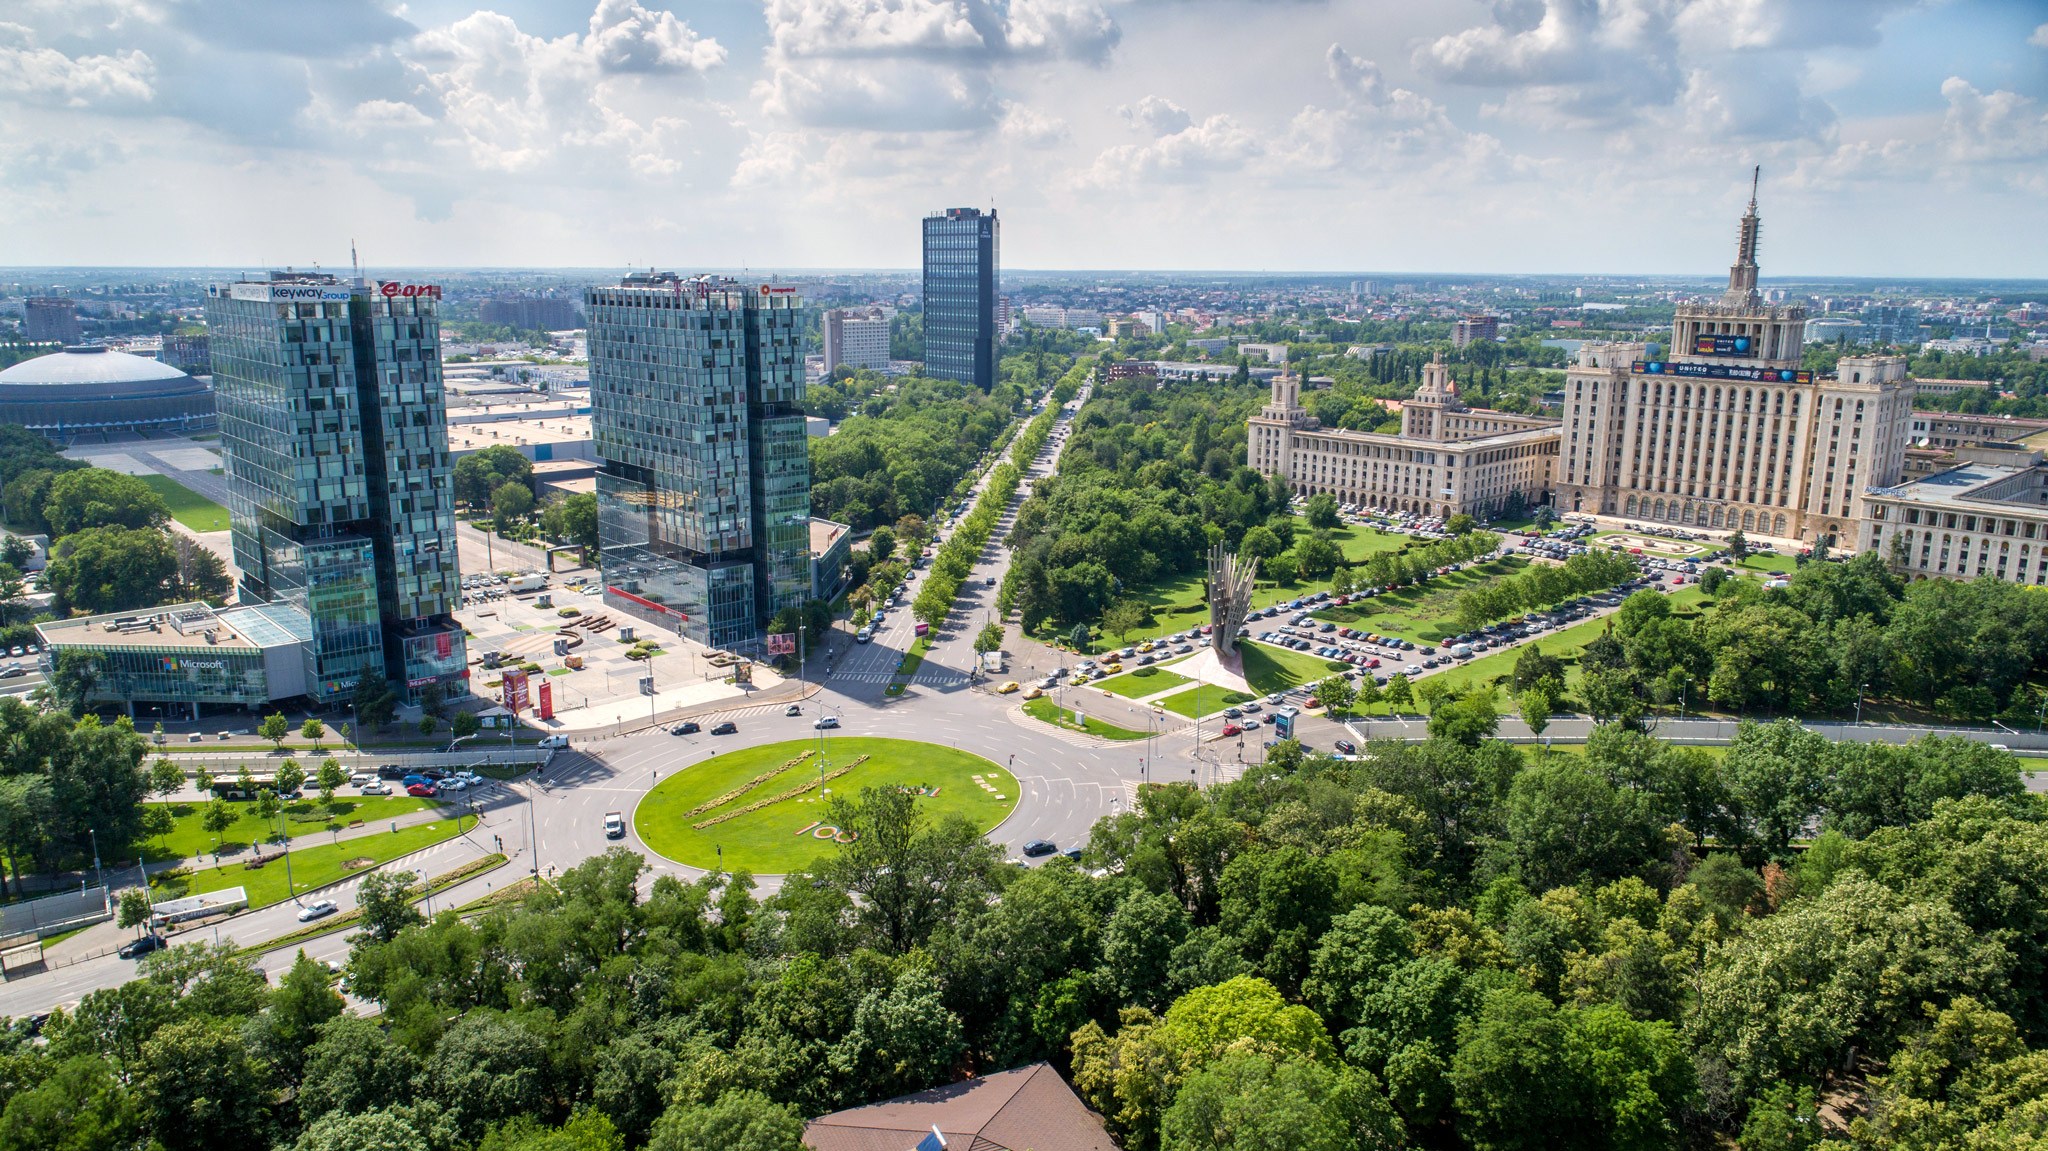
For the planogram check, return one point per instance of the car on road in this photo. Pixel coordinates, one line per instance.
(1230, 729)
(826, 721)
(1345, 747)
(793, 709)
(1038, 847)
(1009, 686)
(687, 727)
(421, 790)
(726, 728)
(137, 948)
(319, 909)
(614, 825)
(1034, 693)
(554, 742)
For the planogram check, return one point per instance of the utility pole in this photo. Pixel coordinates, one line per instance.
(100, 876)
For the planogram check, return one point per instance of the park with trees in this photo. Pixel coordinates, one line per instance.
(1439, 944)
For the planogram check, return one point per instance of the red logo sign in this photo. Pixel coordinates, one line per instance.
(394, 288)
(546, 705)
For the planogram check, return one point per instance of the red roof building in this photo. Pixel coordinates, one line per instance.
(1028, 1109)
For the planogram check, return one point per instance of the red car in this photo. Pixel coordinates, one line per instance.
(1230, 729)
(422, 791)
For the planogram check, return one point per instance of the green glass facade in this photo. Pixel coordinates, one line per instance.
(334, 434)
(704, 500)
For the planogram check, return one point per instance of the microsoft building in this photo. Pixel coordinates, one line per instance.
(704, 498)
(341, 499)
(962, 247)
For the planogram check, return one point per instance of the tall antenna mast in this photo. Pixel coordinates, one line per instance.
(1755, 177)
(354, 264)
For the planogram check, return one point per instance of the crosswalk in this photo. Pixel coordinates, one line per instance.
(923, 678)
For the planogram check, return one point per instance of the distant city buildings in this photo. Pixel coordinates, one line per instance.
(962, 250)
(50, 319)
(340, 486)
(531, 313)
(696, 390)
(856, 338)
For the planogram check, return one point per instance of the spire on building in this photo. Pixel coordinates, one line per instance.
(1742, 276)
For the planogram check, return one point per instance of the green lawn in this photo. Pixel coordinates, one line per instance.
(781, 837)
(1142, 682)
(1044, 709)
(1422, 614)
(1200, 701)
(1360, 543)
(1773, 565)
(310, 867)
(1498, 666)
(1269, 669)
(187, 506)
(189, 840)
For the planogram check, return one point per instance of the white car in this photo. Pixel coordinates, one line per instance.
(320, 910)
(376, 787)
(454, 783)
(825, 721)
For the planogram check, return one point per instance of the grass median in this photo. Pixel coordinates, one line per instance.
(1142, 682)
(1052, 713)
(309, 867)
(780, 833)
(1201, 701)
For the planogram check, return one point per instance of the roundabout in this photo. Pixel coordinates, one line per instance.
(764, 809)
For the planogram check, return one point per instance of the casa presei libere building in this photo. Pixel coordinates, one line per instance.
(1727, 431)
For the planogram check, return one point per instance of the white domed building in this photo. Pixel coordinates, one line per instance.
(92, 388)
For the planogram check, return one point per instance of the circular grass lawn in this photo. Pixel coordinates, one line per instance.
(790, 831)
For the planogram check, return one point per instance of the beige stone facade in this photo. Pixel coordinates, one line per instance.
(1728, 431)
(1448, 457)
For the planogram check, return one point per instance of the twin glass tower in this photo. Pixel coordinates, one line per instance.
(704, 500)
(340, 488)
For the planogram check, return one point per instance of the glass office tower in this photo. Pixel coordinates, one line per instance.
(340, 487)
(704, 500)
(961, 280)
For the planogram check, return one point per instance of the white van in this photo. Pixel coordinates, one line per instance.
(554, 741)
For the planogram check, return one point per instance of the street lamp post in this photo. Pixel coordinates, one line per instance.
(532, 832)
(99, 875)
(1860, 689)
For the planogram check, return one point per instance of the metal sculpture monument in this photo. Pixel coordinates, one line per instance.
(1230, 601)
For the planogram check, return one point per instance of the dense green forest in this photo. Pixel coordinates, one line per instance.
(1454, 943)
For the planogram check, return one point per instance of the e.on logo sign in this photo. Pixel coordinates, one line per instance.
(394, 288)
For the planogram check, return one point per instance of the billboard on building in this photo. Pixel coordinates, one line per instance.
(783, 644)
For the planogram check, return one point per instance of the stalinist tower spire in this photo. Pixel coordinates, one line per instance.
(1742, 276)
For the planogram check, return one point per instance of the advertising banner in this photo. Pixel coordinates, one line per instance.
(1707, 344)
(783, 644)
(546, 707)
(444, 645)
(515, 691)
(1722, 372)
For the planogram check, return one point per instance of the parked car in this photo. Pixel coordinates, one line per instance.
(1345, 747)
(319, 909)
(421, 790)
(390, 771)
(1038, 847)
(377, 787)
(728, 727)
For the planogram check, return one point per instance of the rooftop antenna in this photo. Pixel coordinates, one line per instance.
(1755, 177)
(355, 265)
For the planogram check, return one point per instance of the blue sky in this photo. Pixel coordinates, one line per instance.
(1898, 137)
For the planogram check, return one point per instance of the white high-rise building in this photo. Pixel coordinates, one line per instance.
(856, 337)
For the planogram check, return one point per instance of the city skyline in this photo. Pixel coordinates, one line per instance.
(1113, 135)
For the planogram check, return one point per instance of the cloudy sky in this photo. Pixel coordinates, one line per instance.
(1898, 137)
